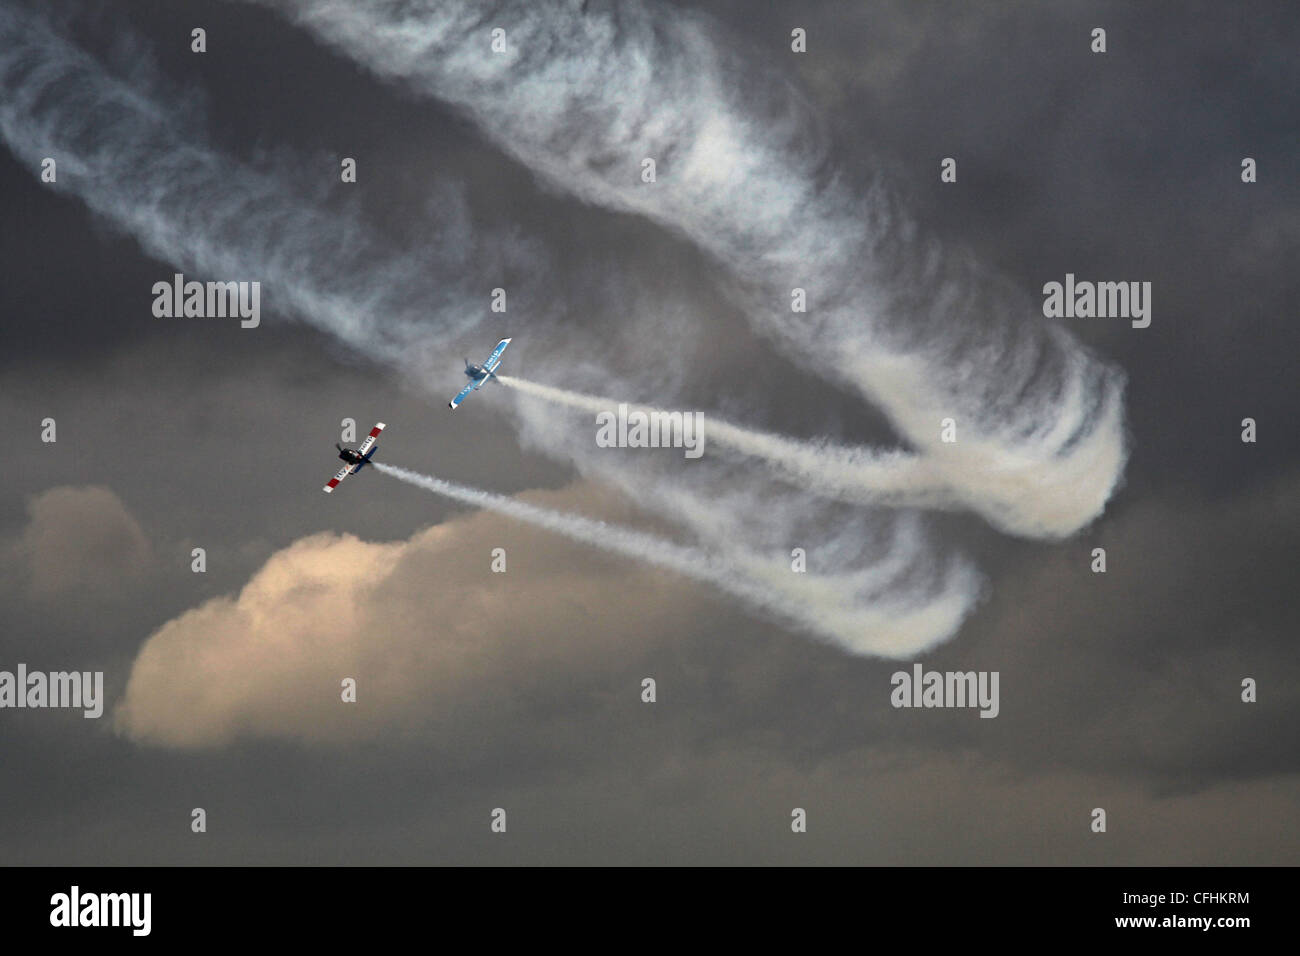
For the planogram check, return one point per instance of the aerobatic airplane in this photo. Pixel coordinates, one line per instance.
(478, 374)
(356, 459)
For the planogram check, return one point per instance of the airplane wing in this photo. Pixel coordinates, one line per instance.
(370, 439)
(460, 396)
(495, 358)
(334, 482)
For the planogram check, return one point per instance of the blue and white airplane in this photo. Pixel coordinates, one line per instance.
(478, 374)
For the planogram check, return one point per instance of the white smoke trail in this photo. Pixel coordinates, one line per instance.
(925, 333)
(139, 157)
(882, 629)
(857, 475)
(136, 155)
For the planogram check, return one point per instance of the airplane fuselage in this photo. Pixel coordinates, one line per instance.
(352, 457)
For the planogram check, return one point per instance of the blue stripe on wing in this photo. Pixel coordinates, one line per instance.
(460, 397)
(495, 358)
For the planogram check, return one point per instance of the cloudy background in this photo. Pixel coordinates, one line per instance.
(522, 690)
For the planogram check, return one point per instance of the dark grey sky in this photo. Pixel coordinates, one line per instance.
(522, 690)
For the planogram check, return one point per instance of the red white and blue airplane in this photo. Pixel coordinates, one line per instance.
(356, 459)
(479, 374)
